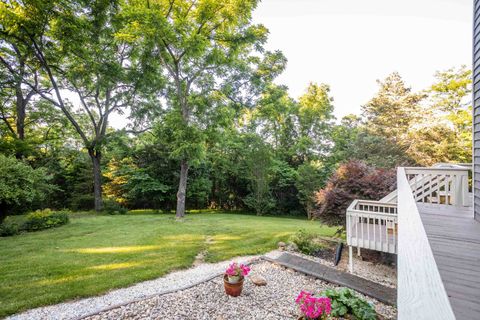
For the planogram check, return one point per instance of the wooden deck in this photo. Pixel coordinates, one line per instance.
(454, 238)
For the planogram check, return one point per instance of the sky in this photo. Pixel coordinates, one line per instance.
(349, 44)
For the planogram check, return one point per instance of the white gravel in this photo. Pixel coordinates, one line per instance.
(376, 272)
(171, 282)
(208, 300)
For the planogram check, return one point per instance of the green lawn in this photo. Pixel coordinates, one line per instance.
(95, 253)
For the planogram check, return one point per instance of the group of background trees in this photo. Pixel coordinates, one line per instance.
(207, 125)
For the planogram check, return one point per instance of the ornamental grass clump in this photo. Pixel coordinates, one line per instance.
(235, 272)
(313, 308)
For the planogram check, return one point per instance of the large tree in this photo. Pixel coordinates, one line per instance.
(212, 57)
(444, 134)
(80, 59)
(392, 111)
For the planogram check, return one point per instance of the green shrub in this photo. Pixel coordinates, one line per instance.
(81, 202)
(21, 186)
(306, 242)
(112, 207)
(8, 229)
(44, 219)
(345, 302)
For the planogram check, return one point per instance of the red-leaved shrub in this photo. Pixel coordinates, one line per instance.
(352, 180)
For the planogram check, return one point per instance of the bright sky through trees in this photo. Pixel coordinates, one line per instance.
(348, 44)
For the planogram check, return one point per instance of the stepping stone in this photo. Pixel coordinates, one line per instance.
(258, 280)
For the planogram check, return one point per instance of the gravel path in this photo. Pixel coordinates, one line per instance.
(172, 282)
(208, 300)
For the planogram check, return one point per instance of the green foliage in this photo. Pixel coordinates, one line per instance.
(258, 162)
(112, 207)
(309, 179)
(392, 111)
(20, 185)
(45, 219)
(444, 134)
(198, 74)
(346, 302)
(8, 228)
(307, 242)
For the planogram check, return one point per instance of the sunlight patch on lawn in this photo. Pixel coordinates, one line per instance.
(125, 249)
(47, 282)
(115, 266)
(225, 237)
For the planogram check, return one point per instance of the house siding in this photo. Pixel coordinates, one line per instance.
(476, 108)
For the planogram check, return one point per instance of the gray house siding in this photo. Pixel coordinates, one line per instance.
(476, 108)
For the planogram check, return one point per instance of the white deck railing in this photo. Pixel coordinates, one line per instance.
(421, 294)
(439, 188)
(374, 224)
(439, 185)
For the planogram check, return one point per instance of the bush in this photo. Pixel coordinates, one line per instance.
(113, 207)
(44, 219)
(20, 186)
(345, 302)
(8, 229)
(306, 242)
(352, 180)
(82, 202)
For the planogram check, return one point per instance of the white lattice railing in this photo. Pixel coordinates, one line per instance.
(439, 185)
(372, 225)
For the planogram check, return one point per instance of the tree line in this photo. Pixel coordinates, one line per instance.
(208, 126)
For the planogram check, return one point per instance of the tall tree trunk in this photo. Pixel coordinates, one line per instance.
(182, 189)
(97, 178)
(3, 212)
(20, 121)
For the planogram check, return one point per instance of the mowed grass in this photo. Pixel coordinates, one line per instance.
(95, 253)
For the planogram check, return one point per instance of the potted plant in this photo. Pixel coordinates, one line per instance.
(313, 308)
(233, 278)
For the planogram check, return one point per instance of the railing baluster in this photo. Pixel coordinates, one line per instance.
(381, 238)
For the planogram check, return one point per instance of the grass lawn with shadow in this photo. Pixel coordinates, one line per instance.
(95, 253)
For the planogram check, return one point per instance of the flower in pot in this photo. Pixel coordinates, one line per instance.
(313, 308)
(233, 278)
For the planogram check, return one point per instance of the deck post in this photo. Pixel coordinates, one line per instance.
(466, 198)
(358, 251)
(350, 259)
(458, 196)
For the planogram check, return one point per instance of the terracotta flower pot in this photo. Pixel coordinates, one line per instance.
(233, 289)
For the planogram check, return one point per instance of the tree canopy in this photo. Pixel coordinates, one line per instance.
(207, 124)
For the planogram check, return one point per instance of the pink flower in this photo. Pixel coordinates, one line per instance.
(234, 269)
(245, 269)
(313, 307)
(302, 295)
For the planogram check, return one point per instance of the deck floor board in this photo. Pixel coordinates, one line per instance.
(454, 237)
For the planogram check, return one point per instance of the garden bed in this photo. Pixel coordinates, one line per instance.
(207, 300)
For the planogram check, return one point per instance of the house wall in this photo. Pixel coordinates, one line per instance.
(476, 108)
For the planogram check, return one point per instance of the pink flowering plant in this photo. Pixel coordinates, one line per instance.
(236, 271)
(314, 308)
